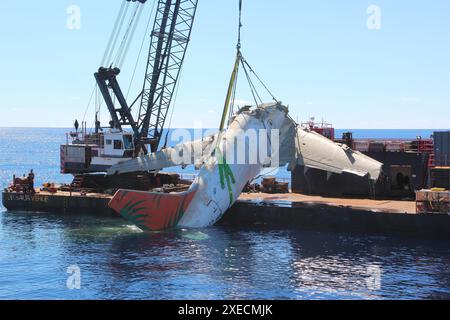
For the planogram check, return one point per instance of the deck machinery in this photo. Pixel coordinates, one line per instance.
(137, 128)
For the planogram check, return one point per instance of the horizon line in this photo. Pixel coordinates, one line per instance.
(33, 127)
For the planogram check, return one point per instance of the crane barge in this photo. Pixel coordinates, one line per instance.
(124, 159)
(89, 155)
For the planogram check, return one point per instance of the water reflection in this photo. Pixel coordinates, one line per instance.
(119, 261)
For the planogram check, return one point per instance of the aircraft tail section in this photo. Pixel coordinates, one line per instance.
(152, 211)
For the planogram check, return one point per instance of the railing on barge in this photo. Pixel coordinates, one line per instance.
(391, 145)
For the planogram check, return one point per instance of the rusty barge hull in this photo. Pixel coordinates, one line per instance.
(61, 203)
(323, 217)
(359, 216)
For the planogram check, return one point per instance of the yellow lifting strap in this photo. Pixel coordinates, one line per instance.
(230, 91)
(234, 75)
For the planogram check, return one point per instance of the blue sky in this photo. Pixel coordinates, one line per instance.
(318, 57)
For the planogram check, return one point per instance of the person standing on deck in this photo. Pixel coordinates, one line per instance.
(31, 181)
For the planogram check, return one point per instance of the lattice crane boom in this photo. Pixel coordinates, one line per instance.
(170, 37)
(168, 44)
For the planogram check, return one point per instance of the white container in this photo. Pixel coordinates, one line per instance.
(362, 146)
(395, 146)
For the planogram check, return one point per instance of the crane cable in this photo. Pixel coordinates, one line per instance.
(115, 34)
(248, 70)
(89, 103)
(233, 81)
(140, 50)
(128, 37)
(107, 55)
(259, 79)
(123, 48)
(113, 57)
(240, 26)
(253, 90)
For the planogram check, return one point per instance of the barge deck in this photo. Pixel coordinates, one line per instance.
(362, 216)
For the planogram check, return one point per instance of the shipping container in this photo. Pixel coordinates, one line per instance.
(442, 148)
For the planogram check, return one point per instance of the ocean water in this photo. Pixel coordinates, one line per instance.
(50, 256)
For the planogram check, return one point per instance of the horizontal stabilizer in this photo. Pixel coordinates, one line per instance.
(316, 151)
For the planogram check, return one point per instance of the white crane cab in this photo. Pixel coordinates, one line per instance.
(118, 144)
(95, 152)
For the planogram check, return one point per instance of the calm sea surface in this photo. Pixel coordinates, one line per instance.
(117, 261)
